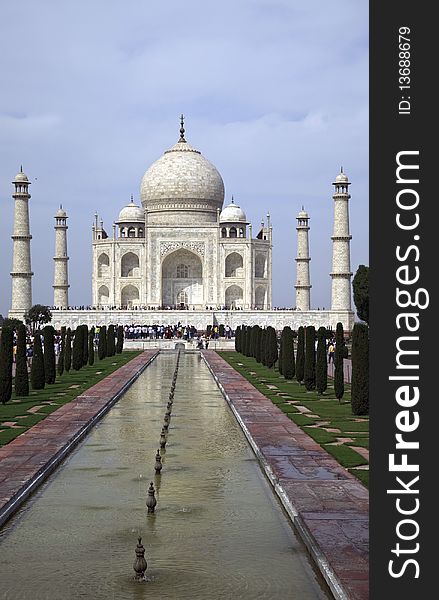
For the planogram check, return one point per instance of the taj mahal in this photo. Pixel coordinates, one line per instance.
(184, 250)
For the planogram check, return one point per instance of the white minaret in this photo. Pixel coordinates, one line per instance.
(61, 277)
(303, 286)
(21, 264)
(341, 259)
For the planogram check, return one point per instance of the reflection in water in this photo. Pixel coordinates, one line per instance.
(217, 532)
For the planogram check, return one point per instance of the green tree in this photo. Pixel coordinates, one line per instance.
(77, 349)
(38, 315)
(288, 361)
(102, 344)
(91, 346)
(340, 355)
(263, 346)
(300, 355)
(272, 351)
(360, 369)
(258, 344)
(321, 362)
(309, 377)
(84, 336)
(238, 339)
(49, 354)
(37, 378)
(247, 340)
(21, 373)
(6, 358)
(360, 286)
(120, 337)
(12, 323)
(111, 346)
(281, 351)
(68, 351)
(253, 335)
(62, 351)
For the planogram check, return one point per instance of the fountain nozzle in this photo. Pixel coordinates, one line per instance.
(140, 563)
(151, 499)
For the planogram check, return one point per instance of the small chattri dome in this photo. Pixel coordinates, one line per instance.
(131, 213)
(303, 214)
(233, 213)
(341, 177)
(60, 213)
(21, 177)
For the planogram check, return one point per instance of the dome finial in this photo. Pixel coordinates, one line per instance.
(132, 199)
(181, 129)
(233, 200)
(341, 169)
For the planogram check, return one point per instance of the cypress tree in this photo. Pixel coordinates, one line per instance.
(77, 349)
(111, 346)
(21, 374)
(288, 362)
(248, 330)
(340, 355)
(300, 356)
(6, 359)
(120, 336)
(310, 358)
(281, 351)
(253, 341)
(244, 340)
(258, 344)
(102, 346)
(68, 351)
(272, 353)
(85, 345)
(91, 346)
(49, 354)
(263, 345)
(322, 365)
(360, 369)
(237, 339)
(37, 378)
(62, 351)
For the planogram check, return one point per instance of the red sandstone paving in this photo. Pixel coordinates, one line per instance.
(23, 458)
(332, 504)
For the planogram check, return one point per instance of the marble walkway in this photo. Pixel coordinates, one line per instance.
(30, 458)
(327, 504)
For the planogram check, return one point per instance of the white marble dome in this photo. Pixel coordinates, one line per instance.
(131, 214)
(233, 213)
(182, 180)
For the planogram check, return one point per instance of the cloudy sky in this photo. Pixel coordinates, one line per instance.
(275, 95)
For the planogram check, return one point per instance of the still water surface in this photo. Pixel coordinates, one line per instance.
(218, 531)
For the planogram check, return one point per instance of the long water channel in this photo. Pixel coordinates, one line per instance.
(218, 531)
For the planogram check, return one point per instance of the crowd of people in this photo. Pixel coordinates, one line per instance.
(176, 331)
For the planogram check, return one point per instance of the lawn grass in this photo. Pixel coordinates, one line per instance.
(66, 388)
(337, 415)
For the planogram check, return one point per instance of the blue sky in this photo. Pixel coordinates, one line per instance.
(275, 96)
